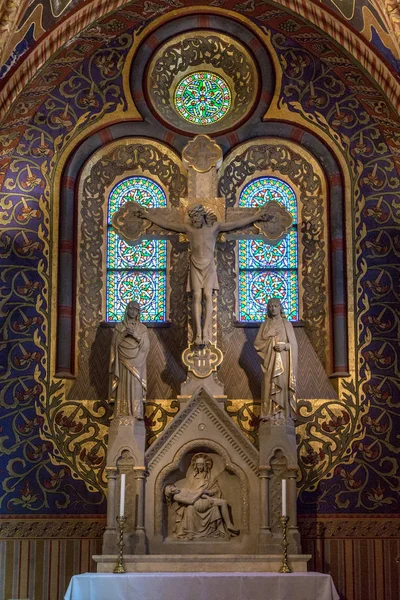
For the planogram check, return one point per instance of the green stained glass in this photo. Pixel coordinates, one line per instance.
(202, 98)
(268, 271)
(146, 287)
(136, 272)
(260, 191)
(256, 288)
(142, 190)
(256, 254)
(148, 254)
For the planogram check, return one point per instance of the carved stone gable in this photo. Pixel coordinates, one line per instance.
(203, 428)
(202, 417)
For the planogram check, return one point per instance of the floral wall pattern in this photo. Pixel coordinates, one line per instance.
(62, 99)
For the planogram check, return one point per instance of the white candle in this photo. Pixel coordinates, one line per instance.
(122, 496)
(284, 497)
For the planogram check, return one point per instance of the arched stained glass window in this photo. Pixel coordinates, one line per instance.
(268, 271)
(136, 272)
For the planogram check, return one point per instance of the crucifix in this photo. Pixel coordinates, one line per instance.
(202, 217)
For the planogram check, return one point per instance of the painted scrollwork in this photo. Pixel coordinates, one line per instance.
(207, 51)
(146, 156)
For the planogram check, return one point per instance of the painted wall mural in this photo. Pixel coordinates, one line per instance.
(346, 106)
(375, 20)
(52, 451)
(66, 95)
(27, 22)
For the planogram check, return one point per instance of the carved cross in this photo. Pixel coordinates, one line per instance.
(202, 157)
(202, 218)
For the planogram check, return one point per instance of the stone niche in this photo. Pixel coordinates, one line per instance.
(202, 450)
(228, 488)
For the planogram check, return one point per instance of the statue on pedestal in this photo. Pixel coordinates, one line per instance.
(129, 350)
(276, 345)
(200, 510)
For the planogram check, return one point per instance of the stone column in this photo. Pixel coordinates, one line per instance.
(140, 475)
(265, 535)
(293, 532)
(109, 538)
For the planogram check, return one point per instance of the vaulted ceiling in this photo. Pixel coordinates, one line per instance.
(23, 23)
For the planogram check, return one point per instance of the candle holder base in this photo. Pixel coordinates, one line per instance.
(285, 569)
(119, 569)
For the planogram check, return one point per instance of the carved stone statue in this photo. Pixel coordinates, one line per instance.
(200, 511)
(276, 345)
(202, 228)
(130, 346)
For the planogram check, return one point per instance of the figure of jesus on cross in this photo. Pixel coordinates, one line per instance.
(202, 228)
(203, 220)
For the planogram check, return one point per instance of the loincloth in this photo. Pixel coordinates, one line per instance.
(202, 274)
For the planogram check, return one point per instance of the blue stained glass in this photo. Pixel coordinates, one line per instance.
(256, 254)
(264, 189)
(146, 287)
(142, 190)
(136, 272)
(257, 287)
(268, 271)
(148, 254)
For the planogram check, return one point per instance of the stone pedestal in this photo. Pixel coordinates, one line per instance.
(126, 434)
(278, 460)
(195, 563)
(126, 445)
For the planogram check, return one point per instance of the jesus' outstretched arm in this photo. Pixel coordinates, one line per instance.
(160, 221)
(259, 216)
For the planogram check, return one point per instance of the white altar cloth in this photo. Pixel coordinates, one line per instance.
(201, 586)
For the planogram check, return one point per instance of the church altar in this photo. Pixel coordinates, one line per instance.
(202, 487)
(202, 501)
(201, 586)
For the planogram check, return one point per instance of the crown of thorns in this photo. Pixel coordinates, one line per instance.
(203, 211)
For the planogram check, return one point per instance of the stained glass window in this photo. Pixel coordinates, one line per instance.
(268, 271)
(202, 98)
(136, 272)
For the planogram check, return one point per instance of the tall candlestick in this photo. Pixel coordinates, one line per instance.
(284, 497)
(122, 496)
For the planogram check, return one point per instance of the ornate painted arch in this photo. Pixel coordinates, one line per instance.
(84, 244)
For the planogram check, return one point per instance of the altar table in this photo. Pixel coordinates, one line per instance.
(201, 586)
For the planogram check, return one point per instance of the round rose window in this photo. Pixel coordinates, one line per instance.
(202, 98)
